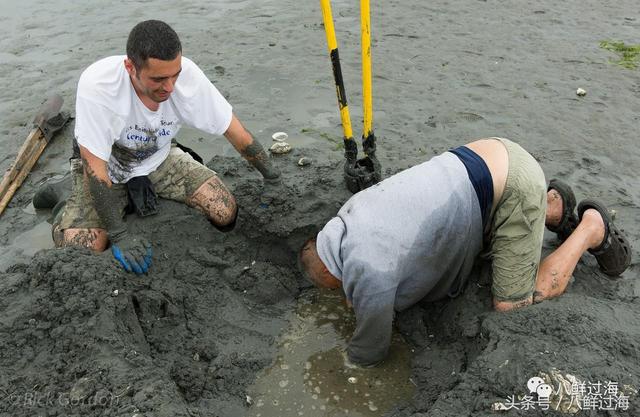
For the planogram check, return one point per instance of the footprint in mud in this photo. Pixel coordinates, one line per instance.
(220, 70)
(458, 117)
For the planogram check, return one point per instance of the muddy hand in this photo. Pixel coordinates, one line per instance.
(272, 191)
(257, 156)
(133, 253)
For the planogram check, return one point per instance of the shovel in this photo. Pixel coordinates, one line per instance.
(358, 173)
(47, 122)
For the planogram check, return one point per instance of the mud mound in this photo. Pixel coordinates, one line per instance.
(469, 357)
(79, 336)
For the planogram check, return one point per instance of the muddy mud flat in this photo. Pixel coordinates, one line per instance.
(225, 325)
(188, 340)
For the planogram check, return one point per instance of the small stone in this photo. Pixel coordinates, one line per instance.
(581, 92)
(280, 148)
(304, 161)
(283, 383)
(32, 322)
(115, 293)
(352, 379)
(196, 357)
(249, 400)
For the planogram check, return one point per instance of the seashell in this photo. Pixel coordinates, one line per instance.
(280, 148)
(304, 161)
(581, 92)
(279, 136)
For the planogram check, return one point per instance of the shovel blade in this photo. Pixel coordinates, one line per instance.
(48, 110)
(362, 173)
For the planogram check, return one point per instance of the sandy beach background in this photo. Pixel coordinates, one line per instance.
(192, 337)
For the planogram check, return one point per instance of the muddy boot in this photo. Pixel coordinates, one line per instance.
(52, 192)
(56, 217)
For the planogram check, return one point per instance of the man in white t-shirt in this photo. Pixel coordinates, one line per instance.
(128, 110)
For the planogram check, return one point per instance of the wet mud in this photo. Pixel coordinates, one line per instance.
(311, 376)
(227, 325)
(195, 337)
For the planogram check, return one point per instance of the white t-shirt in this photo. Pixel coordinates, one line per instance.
(114, 125)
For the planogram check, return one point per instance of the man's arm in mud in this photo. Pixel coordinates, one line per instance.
(100, 187)
(250, 149)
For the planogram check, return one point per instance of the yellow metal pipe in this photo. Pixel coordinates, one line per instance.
(367, 100)
(332, 44)
(329, 29)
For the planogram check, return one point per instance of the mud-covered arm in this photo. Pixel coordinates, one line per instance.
(133, 252)
(104, 196)
(251, 149)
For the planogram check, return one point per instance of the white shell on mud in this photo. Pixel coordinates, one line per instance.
(304, 161)
(280, 148)
(279, 136)
(581, 92)
(352, 380)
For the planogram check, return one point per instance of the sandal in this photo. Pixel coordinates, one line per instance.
(614, 253)
(568, 221)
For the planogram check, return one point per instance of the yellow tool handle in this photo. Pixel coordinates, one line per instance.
(332, 44)
(367, 100)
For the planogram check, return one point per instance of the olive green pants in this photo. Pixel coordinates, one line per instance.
(177, 178)
(517, 227)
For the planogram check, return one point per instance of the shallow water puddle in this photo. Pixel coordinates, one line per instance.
(310, 377)
(25, 245)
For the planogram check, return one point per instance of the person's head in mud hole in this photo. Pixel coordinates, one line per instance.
(314, 269)
(154, 59)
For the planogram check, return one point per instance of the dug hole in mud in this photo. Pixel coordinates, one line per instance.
(81, 337)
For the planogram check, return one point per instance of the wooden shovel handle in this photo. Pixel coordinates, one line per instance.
(39, 143)
(16, 167)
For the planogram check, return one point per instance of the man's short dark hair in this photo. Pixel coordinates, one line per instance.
(152, 39)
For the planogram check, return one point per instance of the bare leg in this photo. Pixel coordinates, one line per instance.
(94, 239)
(556, 269)
(214, 200)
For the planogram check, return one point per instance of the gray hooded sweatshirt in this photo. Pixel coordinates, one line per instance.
(413, 236)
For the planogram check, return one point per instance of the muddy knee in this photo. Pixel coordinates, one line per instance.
(216, 202)
(94, 239)
(228, 223)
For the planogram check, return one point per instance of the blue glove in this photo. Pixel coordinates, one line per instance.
(133, 253)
